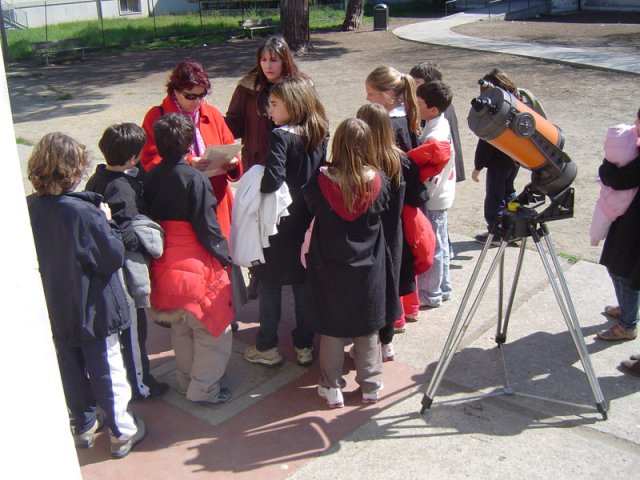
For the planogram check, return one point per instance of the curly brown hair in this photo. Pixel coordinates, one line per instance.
(57, 164)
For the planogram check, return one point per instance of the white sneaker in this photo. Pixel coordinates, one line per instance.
(372, 397)
(333, 396)
(85, 440)
(388, 353)
(121, 448)
(305, 356)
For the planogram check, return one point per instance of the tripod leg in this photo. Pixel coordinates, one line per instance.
(570, 317)
(501, 333)
(459, 326)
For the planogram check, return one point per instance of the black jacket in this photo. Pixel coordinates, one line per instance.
(174, 190)
(621, 250)
(405, 139)
(123, 194)
(79, 255)
(287, 161)
(346, 264)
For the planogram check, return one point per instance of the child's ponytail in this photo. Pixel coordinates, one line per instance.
(410, 101)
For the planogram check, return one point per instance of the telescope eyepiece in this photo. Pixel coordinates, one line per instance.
(483, 103)
(485, 84)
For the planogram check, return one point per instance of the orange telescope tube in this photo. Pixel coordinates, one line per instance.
(499, 118)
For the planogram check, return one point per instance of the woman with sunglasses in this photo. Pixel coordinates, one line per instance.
(187, 88)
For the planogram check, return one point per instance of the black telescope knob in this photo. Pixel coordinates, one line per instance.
(483, 103)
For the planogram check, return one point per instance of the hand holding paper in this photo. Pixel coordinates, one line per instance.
(218, 159)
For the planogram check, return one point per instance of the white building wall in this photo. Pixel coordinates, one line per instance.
(39, 12)
(34, 419)
(561, 6)
(614, 5)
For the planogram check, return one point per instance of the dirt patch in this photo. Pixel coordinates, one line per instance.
(121, 87)
(588, 29)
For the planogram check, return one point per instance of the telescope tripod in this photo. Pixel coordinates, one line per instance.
(515, 225)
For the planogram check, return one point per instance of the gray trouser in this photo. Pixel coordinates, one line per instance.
(201, 358)
(367, 359)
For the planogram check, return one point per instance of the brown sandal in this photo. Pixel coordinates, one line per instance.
(631, 367)
(617, 332)
(612, 311)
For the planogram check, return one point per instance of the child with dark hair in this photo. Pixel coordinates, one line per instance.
(85, 296)
(190, 287)
(436, 161)
(121, 146)
(427, 72)
(501, 169)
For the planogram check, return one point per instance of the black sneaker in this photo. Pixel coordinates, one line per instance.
(156, 389)
(223, 396)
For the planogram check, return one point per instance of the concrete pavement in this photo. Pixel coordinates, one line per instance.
(277, 427)
(439, 33)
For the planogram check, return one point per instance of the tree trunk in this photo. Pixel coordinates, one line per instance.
(294, 24)
(353, 15)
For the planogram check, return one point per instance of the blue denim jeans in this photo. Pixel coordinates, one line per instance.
(270, 310)
(628, 300)
(434, 285)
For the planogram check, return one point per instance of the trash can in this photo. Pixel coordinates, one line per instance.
(381, 16)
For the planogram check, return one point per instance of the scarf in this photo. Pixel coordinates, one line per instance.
(198, 146)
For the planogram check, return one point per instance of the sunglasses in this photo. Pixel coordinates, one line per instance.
(193, 96)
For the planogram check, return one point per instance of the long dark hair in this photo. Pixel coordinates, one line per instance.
(498, 78)
(274, 45)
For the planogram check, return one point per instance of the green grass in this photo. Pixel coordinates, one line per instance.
(168, 31)
(572, 259)
(23, 141)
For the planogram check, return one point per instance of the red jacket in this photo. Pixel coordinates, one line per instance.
(214, 131)
(430, 157)
(420, 237)
(187, 277)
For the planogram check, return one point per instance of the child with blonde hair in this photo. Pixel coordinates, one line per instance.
(79, 254)
(396, 92)
(297, 148)
(346, 266)
(405, 187)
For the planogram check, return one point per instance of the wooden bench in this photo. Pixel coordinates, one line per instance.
(54, 48)
(252, 24)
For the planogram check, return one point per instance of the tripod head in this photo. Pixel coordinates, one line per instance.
(502, 120)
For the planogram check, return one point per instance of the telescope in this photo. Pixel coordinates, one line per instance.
(536, 144)
(533, 142)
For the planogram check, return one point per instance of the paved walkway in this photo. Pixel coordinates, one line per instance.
(439, 32)
(276, 426)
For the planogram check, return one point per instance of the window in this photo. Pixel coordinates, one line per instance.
(130, 6)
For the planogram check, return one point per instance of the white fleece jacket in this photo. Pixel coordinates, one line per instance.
(442, 187)
(255, 217)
